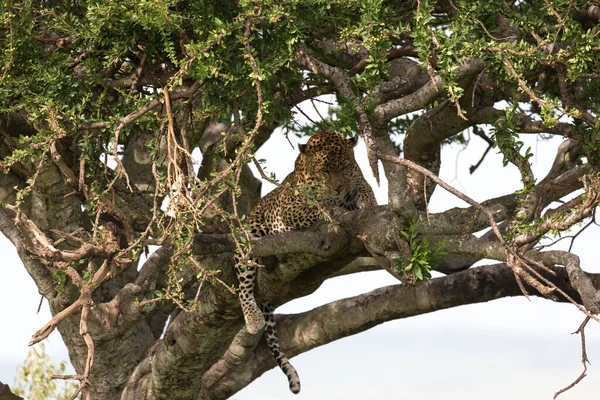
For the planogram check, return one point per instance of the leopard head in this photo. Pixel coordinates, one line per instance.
(326, 159)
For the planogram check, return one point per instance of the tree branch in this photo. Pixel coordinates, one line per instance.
(423, 96)
(7, 394)
(302, 332)
(40, 274)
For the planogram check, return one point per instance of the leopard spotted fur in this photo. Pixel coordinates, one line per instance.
(325, 173)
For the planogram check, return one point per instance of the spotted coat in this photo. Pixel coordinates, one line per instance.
(326, 174)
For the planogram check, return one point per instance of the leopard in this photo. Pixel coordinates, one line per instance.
(326, 180)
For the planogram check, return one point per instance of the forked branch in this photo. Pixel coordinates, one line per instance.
(519, 263)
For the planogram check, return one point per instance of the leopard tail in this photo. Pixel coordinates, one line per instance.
(274, 346)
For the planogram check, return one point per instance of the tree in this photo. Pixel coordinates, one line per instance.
(33, 380)
(106, 104)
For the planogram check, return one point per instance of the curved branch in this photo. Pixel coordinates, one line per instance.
(420, 98)
(580, 281)
(423, 140)
(525, 124)
(178, 93)
(563, 178)
(302, 332)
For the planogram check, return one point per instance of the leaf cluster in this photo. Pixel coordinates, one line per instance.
(423, 255)
(32, 380)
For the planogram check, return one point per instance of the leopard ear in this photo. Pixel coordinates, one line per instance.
(302, 148)
(353, 141)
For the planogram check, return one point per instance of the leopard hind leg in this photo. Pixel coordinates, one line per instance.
(253, 316)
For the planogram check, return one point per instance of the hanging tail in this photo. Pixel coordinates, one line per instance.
(273, 342)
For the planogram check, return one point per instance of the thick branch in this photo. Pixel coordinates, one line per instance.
(183, 354)
(7, 394)
(39, 273)
(420, 98)
(342, 318)
(298, 241)
(422, 143)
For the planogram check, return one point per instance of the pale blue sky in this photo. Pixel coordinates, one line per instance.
(506, 349)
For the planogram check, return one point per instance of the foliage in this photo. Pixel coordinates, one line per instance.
(423, 257)
(33, 377)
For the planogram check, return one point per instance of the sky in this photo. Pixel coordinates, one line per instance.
(505, 349)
